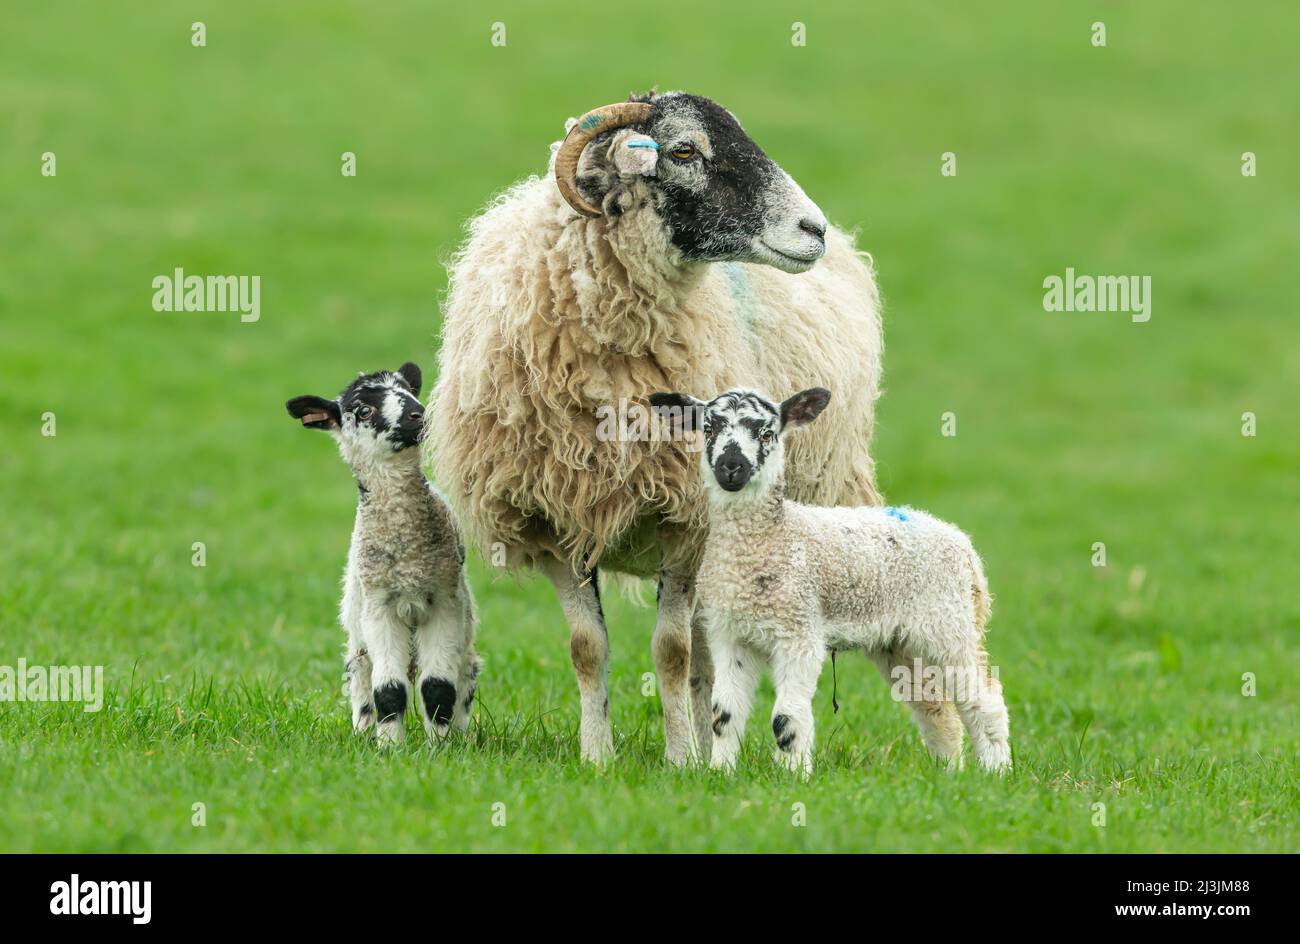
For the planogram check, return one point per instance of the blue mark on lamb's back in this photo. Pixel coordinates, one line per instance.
(898, 513)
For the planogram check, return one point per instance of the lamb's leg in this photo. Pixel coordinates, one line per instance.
(671, 645)
(388, 640)
(466, 687)
(359, 688)
(983, 711)
(736, 668)
(440, 651)
(702, 674)
(936, 717)
(467, 681)
(795, 669)
(589, 649)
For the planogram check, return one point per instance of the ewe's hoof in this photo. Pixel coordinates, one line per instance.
(599, 752)
(951, 763)
(688, 757)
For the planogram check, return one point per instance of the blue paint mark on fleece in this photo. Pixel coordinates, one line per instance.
(644, 144)
(896, 513)
(741, 291)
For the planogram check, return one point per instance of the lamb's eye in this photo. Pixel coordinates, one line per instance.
(683, 151)
(707, 428)
(767, 435)
(365, 412)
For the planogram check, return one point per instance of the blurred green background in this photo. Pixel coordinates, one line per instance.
(1124, 682)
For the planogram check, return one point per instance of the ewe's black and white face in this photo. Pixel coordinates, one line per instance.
(719, 195)
(375, 417)
(742, 432)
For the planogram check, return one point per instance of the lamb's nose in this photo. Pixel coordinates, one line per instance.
(814, 228)
(415, 415)
(731, 471)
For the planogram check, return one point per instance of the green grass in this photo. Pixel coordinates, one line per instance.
(1124, 682)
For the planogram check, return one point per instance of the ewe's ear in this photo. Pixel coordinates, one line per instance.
(682, 413)
(596, 176)
(611, 162)
(411, 374)
(804, 407)
(315, 412)
(634, 154)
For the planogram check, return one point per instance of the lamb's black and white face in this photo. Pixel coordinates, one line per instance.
(742, 430)
(720, 196)
(375, 417)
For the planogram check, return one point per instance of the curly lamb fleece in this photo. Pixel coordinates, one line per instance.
(551, 316)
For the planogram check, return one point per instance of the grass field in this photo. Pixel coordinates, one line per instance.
(1124, 682)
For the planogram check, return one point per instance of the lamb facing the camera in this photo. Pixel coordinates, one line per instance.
(407, 606)
(782, 583)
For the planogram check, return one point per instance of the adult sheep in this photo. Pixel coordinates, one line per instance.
(663, 252)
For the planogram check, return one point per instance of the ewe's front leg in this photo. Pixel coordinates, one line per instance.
(795, 669)
(589, 649)
(736, 671)
(441, 646)
(388, 640)
(671, 646)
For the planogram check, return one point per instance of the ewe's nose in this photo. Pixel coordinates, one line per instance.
(814, 228)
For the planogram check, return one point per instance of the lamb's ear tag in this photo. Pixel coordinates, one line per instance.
(637, 154)
(309, 418)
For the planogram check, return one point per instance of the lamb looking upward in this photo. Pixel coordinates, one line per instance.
(407, 606)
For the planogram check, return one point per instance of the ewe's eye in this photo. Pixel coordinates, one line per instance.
(683, 151)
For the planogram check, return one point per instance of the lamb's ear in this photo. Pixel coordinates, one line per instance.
(316, 412)
(682, 412)
(411, 374)
(804, 407)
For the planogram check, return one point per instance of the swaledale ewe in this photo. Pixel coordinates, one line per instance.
(407, 606)
(782, 584)
(665, 251)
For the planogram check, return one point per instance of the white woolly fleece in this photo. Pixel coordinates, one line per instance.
(550, 316)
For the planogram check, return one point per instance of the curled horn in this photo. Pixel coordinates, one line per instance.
(594, 122)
